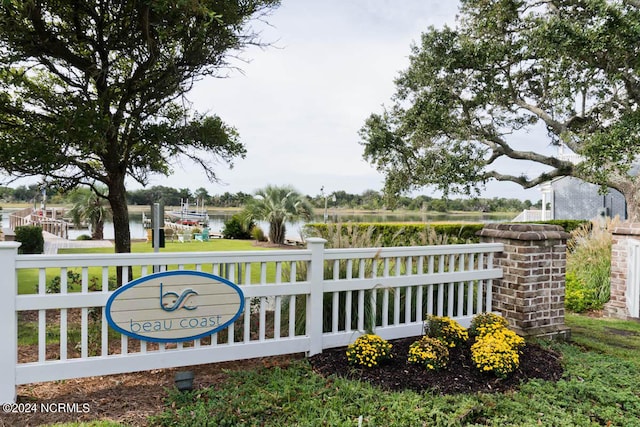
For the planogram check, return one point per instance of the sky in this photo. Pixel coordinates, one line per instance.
(298, 104)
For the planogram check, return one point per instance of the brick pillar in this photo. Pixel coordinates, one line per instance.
(621, 237)
(531, 293)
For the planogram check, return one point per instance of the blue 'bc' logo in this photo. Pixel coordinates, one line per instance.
(171, 301)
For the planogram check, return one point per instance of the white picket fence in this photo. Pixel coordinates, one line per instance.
(295, 301)
(633, 279)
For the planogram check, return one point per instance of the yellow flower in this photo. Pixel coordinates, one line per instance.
(368, 350)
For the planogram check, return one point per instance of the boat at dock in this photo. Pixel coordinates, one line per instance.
(188, 216)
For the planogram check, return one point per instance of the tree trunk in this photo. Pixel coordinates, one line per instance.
(631, 194)
(120, 211)
(98, 230)
(276, 232)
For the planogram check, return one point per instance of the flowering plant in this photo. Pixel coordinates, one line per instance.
(368, 350)
(485, 319)
(497, 349)
(445, 329)
(430, 352)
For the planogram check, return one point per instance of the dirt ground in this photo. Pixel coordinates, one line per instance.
(126, 398)
(131, 398)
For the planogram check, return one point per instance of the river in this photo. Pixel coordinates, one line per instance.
(218, 218)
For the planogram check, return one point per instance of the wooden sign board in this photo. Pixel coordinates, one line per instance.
(174, 306)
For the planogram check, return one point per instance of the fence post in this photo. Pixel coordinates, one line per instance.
(314, 302)
(530, 294)
(622, 265)
(9, 321)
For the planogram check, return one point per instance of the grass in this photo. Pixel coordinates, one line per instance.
(599, 388)
(28, 279)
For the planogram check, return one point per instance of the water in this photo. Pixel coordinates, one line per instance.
(294, 230)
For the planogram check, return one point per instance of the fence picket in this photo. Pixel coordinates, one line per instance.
(389, 290)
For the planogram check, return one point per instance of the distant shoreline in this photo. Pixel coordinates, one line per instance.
(317, 211)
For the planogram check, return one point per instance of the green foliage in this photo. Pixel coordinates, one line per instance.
(31, 239)
(589, 265)
(430, 352)
(258, 234)
(237, 228)
(83, 237)
(388, 234)
(277, 205)
(446, 330)
(598, 388)
(114, 91)
(472, 90)
(484, 320)
(89, 206)
(568, 224)
(368, 350)
(578, 297)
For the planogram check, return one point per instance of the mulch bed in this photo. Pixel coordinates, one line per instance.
(460, 376)
(131, 398)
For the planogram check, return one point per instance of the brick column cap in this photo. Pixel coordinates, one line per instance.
(627, 229)
(524, 231)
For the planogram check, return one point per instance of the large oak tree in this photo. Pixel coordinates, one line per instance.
(508, 67)
(93, 91)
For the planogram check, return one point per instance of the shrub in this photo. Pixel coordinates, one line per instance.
(53, 287)
(83, 237)
(402, 234)
(497, 350)
(31, 238)
(368, 350)
(484, 320)
(589, 264)
(430, 352)
(236, 228)
(258, 234)
(445, 329)
(578, 297)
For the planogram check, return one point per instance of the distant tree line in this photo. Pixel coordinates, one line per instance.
(369, 199)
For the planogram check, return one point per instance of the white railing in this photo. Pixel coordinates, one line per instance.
(295, 301)
(528, 215)
(28, 216)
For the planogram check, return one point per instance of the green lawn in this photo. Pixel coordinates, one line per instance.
(28, 279)
(599, 388)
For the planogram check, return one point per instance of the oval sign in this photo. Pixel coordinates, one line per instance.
(173, 306)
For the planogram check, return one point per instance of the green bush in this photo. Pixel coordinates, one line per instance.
(578, 297)
(31, 238)
(83, 237)
(568, 224)
(236, 228)
(402, 234)
(258, 234)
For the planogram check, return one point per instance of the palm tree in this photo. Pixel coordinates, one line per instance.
(90, 206)
(277, 205)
